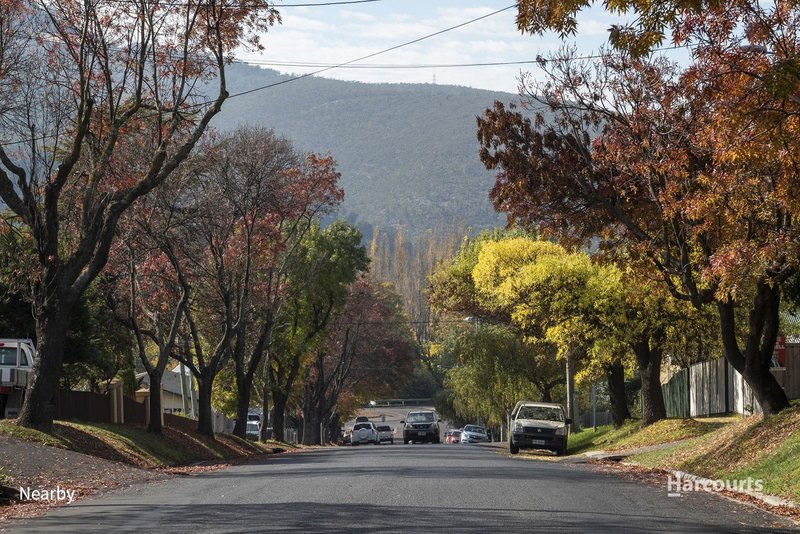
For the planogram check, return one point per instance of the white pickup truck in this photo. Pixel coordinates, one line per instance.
(16, 364)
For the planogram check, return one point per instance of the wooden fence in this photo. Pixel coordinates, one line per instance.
(715, 387)
(676, 395)
(789, 376)
(83, 406)
(134, 412)
(99, 408)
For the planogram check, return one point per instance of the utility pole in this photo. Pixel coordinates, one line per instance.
(572, 410)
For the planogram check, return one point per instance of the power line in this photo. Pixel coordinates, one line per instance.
(270, 63)
(270, 6)
(325, 69)
(380, 52)
(538, 60)
(343, 3)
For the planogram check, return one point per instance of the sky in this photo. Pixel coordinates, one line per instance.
(334, 34)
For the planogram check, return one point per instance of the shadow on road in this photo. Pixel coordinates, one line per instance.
(324, 518)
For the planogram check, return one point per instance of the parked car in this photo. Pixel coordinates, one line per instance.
(253, 430)
(385, 433)
(538, 425)
(364, 433)
(421, 426)
(452, 436)
(474, 434)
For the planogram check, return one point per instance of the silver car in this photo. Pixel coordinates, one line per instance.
(385, 433)
(364, 433)
(474, 434)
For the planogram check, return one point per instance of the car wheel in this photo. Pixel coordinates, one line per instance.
(562, 451)
(512, 448)
(391, 442)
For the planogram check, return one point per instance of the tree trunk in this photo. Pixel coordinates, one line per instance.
(154, 425)
(205, 423)
(279, 401)
(755, 362)
(648, 357)
(265, 394)
(244, 387)
(38, 410)
(615, 375)
(311, 421)
(334, 427)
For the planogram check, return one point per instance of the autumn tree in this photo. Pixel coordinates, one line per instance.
(85, 86)
(368, 350)
(632, 156)
(142, 287)
(273, 195)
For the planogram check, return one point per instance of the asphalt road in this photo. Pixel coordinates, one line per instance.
(418, 488)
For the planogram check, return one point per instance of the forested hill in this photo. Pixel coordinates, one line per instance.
(408, 153)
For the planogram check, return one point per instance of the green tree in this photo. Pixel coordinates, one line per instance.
(564, 298)
(326, 263)
(495, 367)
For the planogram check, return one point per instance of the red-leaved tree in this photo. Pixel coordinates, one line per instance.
(83, 83)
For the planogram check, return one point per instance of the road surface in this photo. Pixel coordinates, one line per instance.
(417, 488)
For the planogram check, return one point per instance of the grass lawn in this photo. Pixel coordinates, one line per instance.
(133, 445)
(751, 447)
(632, 435)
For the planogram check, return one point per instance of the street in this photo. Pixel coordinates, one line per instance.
(415, 488)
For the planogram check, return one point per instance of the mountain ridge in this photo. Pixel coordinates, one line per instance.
(408, 153)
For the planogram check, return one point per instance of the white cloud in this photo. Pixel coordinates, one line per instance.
(357, 15)
(332, 35)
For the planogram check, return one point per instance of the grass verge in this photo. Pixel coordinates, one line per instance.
(133, 445)
(762, 449)
(632, 435)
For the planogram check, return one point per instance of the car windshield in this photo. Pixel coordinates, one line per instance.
(252, 425)
(384, 429)
(359, 426)
(420, 417)
(475, 429)
(541, 413)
